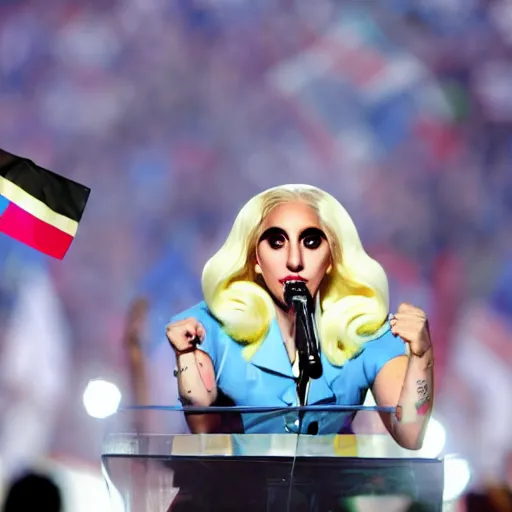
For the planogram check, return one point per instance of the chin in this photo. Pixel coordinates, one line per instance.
(281, 303)
(313, 292)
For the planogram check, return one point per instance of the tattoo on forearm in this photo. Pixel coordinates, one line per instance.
(422, 388)
(406, 414)
(423, 403)
(177, 371)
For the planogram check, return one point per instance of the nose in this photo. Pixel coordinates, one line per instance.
(295, 261)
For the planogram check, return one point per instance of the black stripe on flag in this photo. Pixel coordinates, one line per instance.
(60, 194)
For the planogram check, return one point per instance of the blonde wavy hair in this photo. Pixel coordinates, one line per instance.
(353, 298)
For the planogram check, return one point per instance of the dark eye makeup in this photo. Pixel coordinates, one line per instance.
(312, 238)
(276, 237)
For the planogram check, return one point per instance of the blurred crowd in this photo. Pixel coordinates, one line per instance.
(176, 112)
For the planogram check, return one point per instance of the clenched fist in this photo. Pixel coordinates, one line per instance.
(411, 324)
(185, 334)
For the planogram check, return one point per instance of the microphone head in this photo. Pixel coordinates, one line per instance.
(296, 291)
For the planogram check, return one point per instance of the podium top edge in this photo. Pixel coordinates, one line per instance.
(251, 409)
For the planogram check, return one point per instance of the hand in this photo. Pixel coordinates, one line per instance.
(183, 335)
(411, 324)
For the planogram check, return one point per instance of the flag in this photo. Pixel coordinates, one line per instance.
(38, 207)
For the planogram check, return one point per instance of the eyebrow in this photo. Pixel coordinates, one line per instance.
(275, 230)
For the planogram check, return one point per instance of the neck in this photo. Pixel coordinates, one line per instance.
(286, 322)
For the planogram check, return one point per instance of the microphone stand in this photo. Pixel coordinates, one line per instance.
(298, 297)
(309, 366)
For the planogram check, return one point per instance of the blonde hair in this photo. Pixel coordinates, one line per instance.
(354, 297)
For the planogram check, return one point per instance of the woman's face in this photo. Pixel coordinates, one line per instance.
(292, 246)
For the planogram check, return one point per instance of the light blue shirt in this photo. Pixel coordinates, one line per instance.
(266, 380)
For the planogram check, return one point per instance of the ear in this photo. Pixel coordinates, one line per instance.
(256, 260)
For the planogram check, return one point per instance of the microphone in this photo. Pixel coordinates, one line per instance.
(297, 296)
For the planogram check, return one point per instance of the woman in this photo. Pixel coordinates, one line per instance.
(239, 342)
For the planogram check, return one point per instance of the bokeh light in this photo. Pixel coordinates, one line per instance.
(101, 398)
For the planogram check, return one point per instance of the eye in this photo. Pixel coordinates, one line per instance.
(312, 241)
(276, 241)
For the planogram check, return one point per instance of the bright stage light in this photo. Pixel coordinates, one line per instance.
(101, 398)
(434, 441)
(457, 475)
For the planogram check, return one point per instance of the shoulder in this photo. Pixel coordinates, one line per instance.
(379, 349)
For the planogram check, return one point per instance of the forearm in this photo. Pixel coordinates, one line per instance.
(204, 423)
(416, 401)
(191, 387)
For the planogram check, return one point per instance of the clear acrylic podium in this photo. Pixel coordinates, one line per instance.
(153, 464)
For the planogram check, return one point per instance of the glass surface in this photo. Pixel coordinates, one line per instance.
(153, 463)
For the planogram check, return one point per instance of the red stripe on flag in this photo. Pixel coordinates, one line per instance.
(26, 228)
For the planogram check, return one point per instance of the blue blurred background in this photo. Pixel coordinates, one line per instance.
(176, 112)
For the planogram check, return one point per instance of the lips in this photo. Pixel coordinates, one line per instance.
(292, 278)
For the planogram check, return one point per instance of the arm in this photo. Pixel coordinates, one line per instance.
(408, 382)
(196, 379)
(195, 373)
(196, 386)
